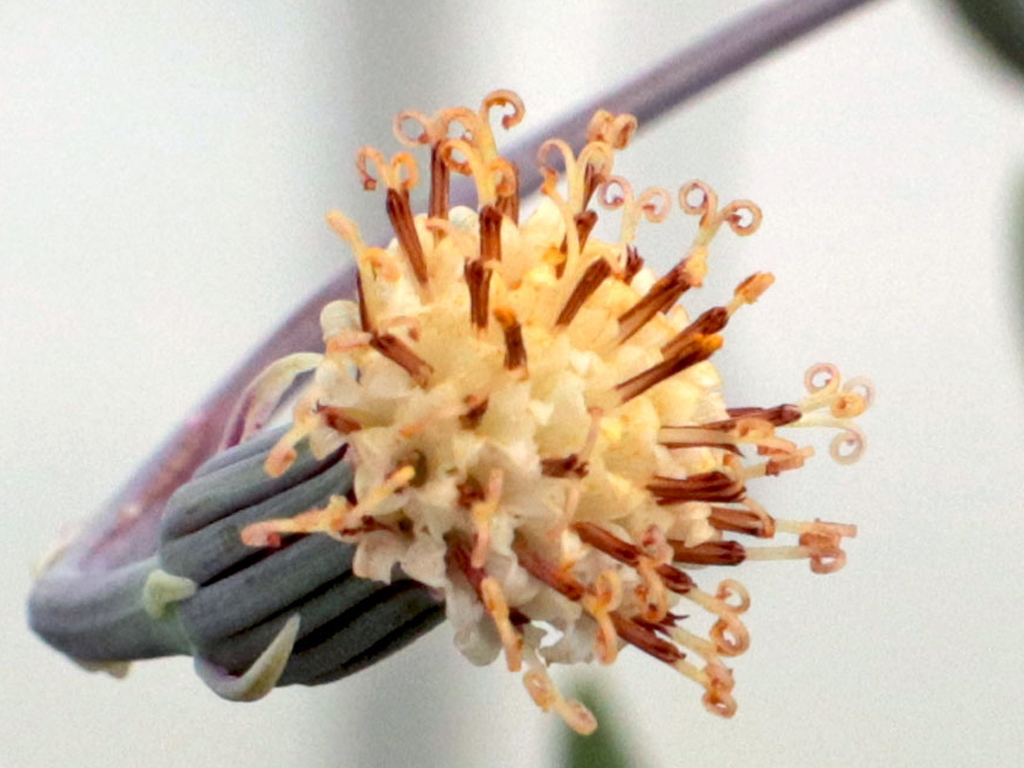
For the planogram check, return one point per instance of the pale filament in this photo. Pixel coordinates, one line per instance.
(347, 340)
(729, 634)
(652, 593)
(349, 232)
(304, 421)
(604, 597)
(547, 696)
(497, 606)
(791, 460)
(482, 512)
(461, 239)
(747, 430)
(716, 679)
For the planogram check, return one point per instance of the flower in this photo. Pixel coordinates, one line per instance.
(535, 426)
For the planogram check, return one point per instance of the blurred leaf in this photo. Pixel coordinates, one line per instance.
(607, 747)
(1001, 24)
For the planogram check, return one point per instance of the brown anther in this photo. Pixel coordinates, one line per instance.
(585, 223)
(515, 350)
(440, 180)
(396, 350)
(711, 321)
(750, 290)
(563, 467)
(457, 558)
(365, 322)
(634, 263)
(400, 213)
(662, 295)
(591, 280)
(629, 554)
(548, 573)
(742, 521)
(470, 492)
(478, 279)
(709, 553)
(476, 408)
(785, 463)
(592, 179)
(707, 486)
(337, 419)
(779, 416)
(697, 350)
(639, 636)
(508, 204)
(490, 234)
(627, 629)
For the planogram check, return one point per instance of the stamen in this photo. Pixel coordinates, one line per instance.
(584, 223)
(496, 605)
(563, 467)
(478, 279)
(508, 202)
(482, 511)
(750, 290)
(490, 234)
(630, 554)
(711, 321)
(779, 416)
(698, 350)
(338, 419)
(546, 696)
(400, 212)
(639, 636)
(399, 352)
(476, 407)
(707, 486)
(591, 280)
(365, 322)
(332, 518)
(752, 522)
(709, 553)
(633, 265)
(600, 603)
(662, 294)
(440, 184)
(592, 179)
(515, 350)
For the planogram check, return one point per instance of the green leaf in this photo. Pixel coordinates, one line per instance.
(607, 747)
(1001, 24)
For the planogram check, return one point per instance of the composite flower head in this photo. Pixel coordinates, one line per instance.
(536, 428)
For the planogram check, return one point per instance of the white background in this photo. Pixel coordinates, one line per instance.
(164, 171)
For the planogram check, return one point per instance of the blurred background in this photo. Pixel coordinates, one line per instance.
(164, 172)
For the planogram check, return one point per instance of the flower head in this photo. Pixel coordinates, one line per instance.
(536, 428)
